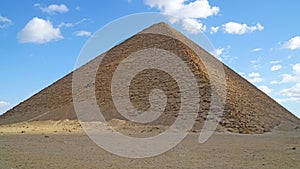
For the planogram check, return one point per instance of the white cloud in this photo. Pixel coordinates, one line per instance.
(257, 61)
(63, 24)
(254, 77)
(186, 12)
(82, 33)
(228, 59)
(237, 28)
(241, 73)
(67, 25)
(265, 89)
(181, 9)
(193, 26)
(274, 82)
(3, 104)
(222, 54)
(39, 31)
(4, 22)
(286, 78)
(292, 92)
(274, 62)
(289, 99)
(214, 30)
(292, 44)
(256, 50)
(53, 8)
(253, 74)
(254, 61)
(218, 52)
(294, 77)
(276, 67)
(256, 80)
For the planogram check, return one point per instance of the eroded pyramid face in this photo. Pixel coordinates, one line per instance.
(125, 81)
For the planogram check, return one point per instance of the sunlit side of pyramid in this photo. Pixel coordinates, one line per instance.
(247, 109)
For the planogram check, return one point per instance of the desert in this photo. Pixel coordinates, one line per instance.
(65, 145)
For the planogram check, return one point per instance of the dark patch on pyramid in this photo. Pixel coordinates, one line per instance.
(247, 109)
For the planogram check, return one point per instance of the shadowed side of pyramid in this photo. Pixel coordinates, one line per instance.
(247, 109)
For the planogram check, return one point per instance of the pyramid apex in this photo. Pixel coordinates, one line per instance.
(160, 28)
(162, 24)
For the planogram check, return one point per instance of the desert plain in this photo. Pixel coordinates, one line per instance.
(63, 144)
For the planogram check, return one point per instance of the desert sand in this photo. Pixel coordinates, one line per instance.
(63, 144)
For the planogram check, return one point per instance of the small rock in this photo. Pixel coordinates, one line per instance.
(293, 148)
(230, 129)
(22, 131)
(46, 136)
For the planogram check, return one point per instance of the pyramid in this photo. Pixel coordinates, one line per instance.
(247, 109)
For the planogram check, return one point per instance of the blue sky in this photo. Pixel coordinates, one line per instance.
(41, 40)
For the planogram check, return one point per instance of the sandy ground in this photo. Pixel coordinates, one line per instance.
(63, 144)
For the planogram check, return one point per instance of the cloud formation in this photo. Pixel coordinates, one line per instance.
(294, 77)
(82, 33)
(39, 31)
(67, 25)
(254, 77)
(256, 50)
(214, 30)
(274, 62)
(291, 94)
(4, 22)
(292, 44)
(253, 74)
(193, 26)
(221, 53)
(276, 67)
(3, 104)
(239, 29)
(218, 52)
(188, 13)
(53, 8)
(265, 89)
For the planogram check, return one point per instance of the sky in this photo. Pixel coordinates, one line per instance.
(41, 40)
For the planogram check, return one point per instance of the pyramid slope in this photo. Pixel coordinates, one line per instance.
(247, 110)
